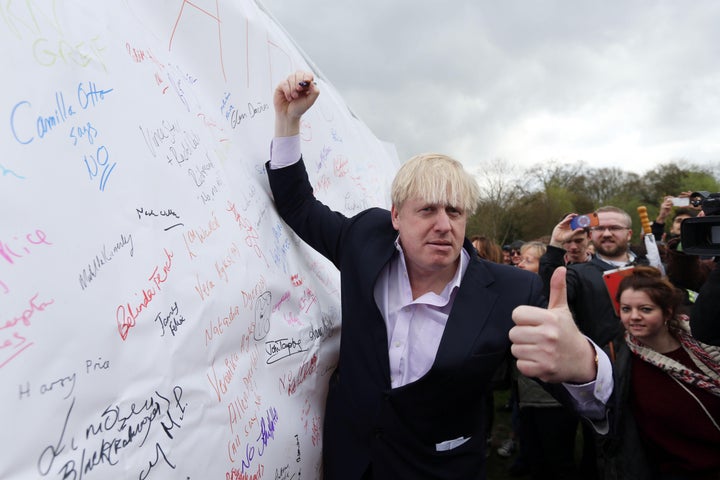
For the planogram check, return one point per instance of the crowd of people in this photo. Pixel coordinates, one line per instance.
(429, 318)
(666, 405)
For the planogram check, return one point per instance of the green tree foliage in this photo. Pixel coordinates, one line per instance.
(527, 205)
(608, 185)
(664, 180)
(699, 181)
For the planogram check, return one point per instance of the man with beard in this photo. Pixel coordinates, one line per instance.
(587, 294)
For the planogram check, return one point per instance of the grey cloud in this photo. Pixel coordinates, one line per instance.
(469, 77)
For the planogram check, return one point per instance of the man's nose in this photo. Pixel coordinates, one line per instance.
(442, 220)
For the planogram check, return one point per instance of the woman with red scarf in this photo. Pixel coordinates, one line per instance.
(667, 391)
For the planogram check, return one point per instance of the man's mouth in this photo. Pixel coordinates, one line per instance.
(442, 243)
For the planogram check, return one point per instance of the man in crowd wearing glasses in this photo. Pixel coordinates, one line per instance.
(587, 294)
(588, 297)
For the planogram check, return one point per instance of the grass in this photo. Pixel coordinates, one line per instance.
(497, 466)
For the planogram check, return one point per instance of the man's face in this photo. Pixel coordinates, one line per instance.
(576, 247)
(611, 243)
(431, 235)
(515, 256)
(677, 222)
(507, 260)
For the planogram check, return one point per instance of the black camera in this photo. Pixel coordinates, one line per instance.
(701, 235)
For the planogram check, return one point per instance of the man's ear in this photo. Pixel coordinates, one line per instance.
(394, 215)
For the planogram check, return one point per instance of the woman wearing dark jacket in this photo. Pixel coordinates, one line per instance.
(667, 389)
(705, 318)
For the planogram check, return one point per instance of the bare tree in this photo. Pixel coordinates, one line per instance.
(502, 184)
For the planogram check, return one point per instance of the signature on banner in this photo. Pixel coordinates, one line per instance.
(12, 339)
(103, 442)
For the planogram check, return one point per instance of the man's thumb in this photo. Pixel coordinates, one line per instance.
(558, 289)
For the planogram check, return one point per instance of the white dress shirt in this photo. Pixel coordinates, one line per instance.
(415, 327)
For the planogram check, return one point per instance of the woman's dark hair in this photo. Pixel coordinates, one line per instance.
(487, 248)
(658, 288)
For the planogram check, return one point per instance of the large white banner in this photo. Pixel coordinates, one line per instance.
(157, 319)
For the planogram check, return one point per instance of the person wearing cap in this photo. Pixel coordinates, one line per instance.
(515, 253)
(506, 258)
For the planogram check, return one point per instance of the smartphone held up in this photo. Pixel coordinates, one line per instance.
(585, 221)
(681, 201)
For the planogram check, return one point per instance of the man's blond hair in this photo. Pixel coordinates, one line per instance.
(438, 180)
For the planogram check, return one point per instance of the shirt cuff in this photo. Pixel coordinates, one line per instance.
(591, 398)
(599, 389)
(284, 151)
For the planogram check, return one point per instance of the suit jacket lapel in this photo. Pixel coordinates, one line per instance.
(469, 314)
(372, 269)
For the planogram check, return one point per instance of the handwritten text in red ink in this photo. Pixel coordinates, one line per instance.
(252, 238)
(197, 236)
(12, 341)
(126, 315)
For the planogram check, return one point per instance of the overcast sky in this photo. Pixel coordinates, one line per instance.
(628, 84)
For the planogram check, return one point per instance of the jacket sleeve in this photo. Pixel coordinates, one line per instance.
(657, 230)
(705, 317)
(553, 258)
(310, 219)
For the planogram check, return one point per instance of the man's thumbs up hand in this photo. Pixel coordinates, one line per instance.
(548, 344)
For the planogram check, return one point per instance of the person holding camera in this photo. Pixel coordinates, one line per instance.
(683, 210)
(587, 295)
(705, 316)
(577, 247)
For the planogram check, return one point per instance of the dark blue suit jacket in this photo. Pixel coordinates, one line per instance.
(368, 424)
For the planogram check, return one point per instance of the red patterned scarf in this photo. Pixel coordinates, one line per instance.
(706, 357)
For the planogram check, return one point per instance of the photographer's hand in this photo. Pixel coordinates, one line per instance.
(563, 231)
(665, 209)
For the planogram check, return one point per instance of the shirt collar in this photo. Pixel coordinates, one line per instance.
(631, 259)
(446, 295)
